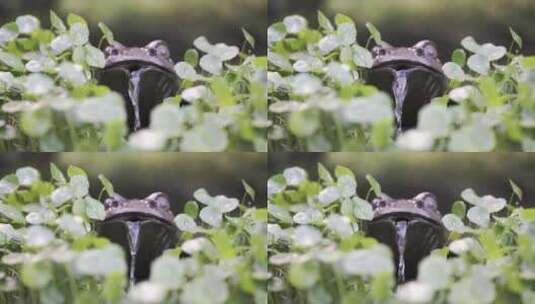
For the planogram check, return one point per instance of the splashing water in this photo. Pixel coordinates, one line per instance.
(401, 235)
(133, 94)
(133, 236)
(399, 88)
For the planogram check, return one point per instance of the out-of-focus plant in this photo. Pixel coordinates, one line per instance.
(319, 252)
(228, 107)
(319, 101)
(50, 253)
(49, 250)
(51, 101)
(225, 242)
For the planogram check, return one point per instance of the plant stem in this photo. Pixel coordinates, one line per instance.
(339, 135)
(72, 133)
(339, 285)
(72, 285)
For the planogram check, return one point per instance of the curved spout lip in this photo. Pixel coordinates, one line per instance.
(133, 61)
(131, 213)
(407, 213)
(411, 64)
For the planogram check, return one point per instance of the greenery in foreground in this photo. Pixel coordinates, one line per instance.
(319, 253)
(50, 99)
(318, 99)
(49, 252)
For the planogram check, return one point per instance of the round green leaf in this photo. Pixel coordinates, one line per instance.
(453, 223)
(295, 24)
(185, 223)
(304, 275)
(453, 71)
(435, 271)
(479, 216)
(27, 176)
(167, 119)
(94, 209)
(79, 33)
(479, 63)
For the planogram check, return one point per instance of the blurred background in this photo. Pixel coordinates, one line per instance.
(137, 22)
(403, 175)
(136, 175)
(403, 23)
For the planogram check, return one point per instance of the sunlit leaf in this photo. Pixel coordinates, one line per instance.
(57, 23)
(479, 216)
(294, 24)
(211, 216)
(106, 31)
(363, 209)
(479, 63)
(304, 275)
(453, 223)
(168, 271)
(516, 38)
(27, 176)
(454, 71)
(94, 209)
(374, 33)
(415, 292)
(324, 22)
(27, 24)
(11, 61)
(248, 37)
(94, 56)
(79, 33)
(185, 223)
(294, 176)
(108, 186)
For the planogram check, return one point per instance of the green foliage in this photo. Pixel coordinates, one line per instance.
(50, 252)
(227, 260)
(50, 99)
(319, 252)
(319, 101)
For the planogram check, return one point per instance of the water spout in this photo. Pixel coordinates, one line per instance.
(142, 79)
(133, 93)
(412, 76)
(399, 89)
(401, 241)
(133, 244)
(144, 228)
(412, 229)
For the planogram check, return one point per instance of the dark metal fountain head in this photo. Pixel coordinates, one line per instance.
(411, 75)
(143, 227)
(145, 76)
(412, 228)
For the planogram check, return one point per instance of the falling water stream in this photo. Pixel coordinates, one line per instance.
(133, 236)
(133, 93)
(399, 88)
(401, 235)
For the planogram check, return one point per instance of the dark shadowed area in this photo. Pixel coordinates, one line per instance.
(137, 22)
(136, 175)
(403, 175)
(403, 23)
